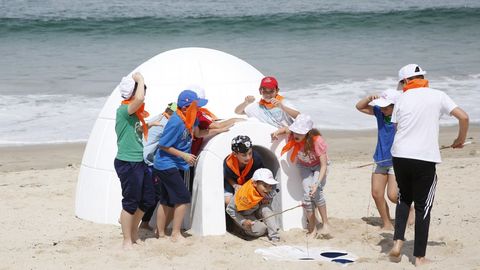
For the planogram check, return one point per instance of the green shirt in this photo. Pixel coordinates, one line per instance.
(129, 136)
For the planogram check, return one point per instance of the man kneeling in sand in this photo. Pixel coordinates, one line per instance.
(252, 202)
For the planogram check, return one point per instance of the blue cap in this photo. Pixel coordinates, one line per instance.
(186, 98)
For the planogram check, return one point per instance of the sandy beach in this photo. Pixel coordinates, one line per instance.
(39, 229)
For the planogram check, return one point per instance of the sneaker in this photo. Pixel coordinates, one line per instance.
(275, 239)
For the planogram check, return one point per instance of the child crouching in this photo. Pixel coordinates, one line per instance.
(251, 207)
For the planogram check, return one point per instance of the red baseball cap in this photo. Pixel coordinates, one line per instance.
(269, 82)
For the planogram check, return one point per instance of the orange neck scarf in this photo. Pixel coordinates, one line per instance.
(232, 163)
(209, 113)
(296, 147)
(247, 196)
(269, 105)
(141, 114)
(189, 117)
(416, 83)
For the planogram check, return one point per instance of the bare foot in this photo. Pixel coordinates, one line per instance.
(395, 252)
(421, 261)
(127, 245)
(387, 227)
(139, 242)
(177, 238)
(160, 235)
(325, 229)
(312, 233)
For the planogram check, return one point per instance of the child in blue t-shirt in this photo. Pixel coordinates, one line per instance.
(150, 147)
(173, 159)
(382, 174)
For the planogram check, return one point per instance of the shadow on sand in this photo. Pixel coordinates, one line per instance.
(386, 245)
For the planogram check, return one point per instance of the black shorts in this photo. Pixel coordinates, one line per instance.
(137, 185)
(171, 188)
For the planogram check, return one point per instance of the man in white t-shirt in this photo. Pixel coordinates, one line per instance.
(271, 109)
(416, 151)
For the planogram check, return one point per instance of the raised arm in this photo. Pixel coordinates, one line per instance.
(240, 109)
(293, 113)
(362, 104)
(463, 121)
(139, 94)
(225, 124)
(278, 132)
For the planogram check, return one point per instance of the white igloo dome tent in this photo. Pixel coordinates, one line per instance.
(226, 80)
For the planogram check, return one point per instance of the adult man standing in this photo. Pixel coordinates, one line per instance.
(416, 151)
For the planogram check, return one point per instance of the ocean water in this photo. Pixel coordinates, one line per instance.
(58, 56)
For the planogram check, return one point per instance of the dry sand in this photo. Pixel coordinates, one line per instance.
(39, 229)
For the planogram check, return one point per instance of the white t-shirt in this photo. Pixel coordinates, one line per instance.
(417, 114)
(275, 116)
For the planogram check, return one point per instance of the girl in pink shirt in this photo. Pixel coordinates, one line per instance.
(309, 153)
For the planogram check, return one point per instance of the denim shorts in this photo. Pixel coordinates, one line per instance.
(382, 169)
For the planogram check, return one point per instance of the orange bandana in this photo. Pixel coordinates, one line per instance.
(296, 147)
(209, 113)
(189, 117)
(141, 114)
(247, 197)
(232, 163)
(269, 105)
(416, 83)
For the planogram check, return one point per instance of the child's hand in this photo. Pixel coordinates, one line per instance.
(237, 187)
(249, 99)
(247, 224)
(313, 189)
(137, 76)
(277, 103)
(372, 97)
(155, 123)
(274, 136)
(458, 143)
(265, 201)
(189, 158)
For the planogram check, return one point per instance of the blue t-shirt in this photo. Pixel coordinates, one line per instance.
(386, 133)
(175, 135)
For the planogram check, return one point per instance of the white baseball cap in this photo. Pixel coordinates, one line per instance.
(302, 124)
(410, 70)
(387, 97)
(200, 91)
(264, 175)
(126, 86)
